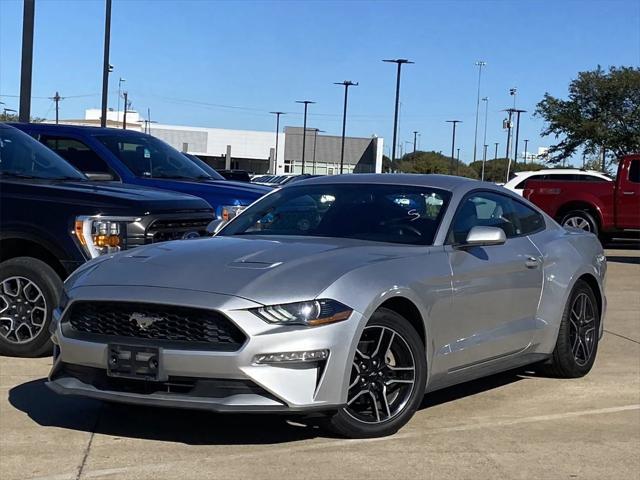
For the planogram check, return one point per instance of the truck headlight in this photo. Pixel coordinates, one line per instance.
(311, 313)
(101, 235)
(227, 212)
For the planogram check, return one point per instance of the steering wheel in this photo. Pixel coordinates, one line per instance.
(396, 222)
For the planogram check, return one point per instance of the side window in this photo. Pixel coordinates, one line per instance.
(634, 171)
(77, 154)
(528, 220)
(523, 183)
(484, 209)
(592, 178)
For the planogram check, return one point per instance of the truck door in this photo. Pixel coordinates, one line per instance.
(628, 212)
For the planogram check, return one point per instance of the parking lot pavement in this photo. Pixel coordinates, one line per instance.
(513, 425)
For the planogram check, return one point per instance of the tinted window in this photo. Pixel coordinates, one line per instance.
(77, 154)
(22, 156)
(634, 171)
(383, 213)
(487, 209)
(522, 184)
(147, 156)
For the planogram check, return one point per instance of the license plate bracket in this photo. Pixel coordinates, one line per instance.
(134, 361)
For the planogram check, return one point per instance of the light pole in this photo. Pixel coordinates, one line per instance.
(515, 155)
(346, 84)
(453, 143)
(315, 140)
(486, 118)
(275, 162)
(495, 157)
(399, 62)
(526, 143)
(120, 82)
(304, 128)
(458, 163)
(106, 68)
(26, 63)
(479, 64)
(415, 139)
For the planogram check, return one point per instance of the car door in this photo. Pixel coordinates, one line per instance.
(496, 288)
(628, 208)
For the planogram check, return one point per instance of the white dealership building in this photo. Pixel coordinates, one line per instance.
(255, 151)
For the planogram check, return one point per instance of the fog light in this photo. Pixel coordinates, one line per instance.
(291, 357)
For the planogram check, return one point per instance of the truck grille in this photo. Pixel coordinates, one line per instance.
(164, 230)
(161, 325)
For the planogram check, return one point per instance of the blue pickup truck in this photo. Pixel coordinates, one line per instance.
(108, 154)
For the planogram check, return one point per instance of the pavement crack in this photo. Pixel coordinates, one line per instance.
(622, 336)
(89, 443)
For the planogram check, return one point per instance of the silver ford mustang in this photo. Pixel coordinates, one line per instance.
(347, 296)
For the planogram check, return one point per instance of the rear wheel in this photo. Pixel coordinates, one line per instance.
(387, 382)
(29, 291)
(577, 342)
(582, 220)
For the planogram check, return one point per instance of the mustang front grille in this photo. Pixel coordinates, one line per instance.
(152, 323)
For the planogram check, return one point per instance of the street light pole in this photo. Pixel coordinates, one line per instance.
(315, 140)
(484, 142)
(415, 139)
(484, 159)
(304, 128)
(495, 157)
(346, 84)
(26, 65)
(124, 117)
(453, 143)
(479, 64)
(399, 62)
(526, 142)
(120, 81)
(105, 62)
(275, 163)
(515, 155)
(458, 163)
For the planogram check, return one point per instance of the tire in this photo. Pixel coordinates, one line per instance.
(582, 220)
(31, 287)
(568, 359)
(403, 398)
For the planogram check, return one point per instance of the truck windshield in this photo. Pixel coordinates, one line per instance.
(149, 157)
(23, 157)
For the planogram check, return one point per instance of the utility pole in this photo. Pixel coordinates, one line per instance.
(458, 163)
(495, 157)
(304, 128)
(415, 139)
(399, 62)
(56, 98)
(120, 82)
(526, 142)
(347, 84)
(275, 163)
(515, 155)
(479, 64)
(106, 67)
(453, 143)
(26, 66)
(126, 104)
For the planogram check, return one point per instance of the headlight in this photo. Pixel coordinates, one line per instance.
(312, 313)
(101, 235)
(227, 212)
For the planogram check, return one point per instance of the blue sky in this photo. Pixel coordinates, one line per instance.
(186, 60)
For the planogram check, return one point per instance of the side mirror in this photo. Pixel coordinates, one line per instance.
(483, 237)
(99, 177)
(215, 226)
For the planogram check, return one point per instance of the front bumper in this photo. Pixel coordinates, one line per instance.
(193, 378)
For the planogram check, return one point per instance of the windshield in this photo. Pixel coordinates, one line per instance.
(147, 156)
(205, 166)
(23, 157)
(381, 213)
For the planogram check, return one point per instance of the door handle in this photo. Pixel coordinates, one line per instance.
(532, 262)
(629, 193)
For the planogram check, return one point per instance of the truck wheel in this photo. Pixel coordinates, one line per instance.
(582, 220)
(29, 291)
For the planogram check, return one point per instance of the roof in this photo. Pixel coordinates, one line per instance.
(76, 128)
(445, 182)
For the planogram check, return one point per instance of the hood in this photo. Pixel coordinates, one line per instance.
(216, 192)
(264, 270)
(110, 197)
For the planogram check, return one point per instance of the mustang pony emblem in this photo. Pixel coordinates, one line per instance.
(143, 321)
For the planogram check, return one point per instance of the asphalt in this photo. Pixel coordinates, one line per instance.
(514, 425)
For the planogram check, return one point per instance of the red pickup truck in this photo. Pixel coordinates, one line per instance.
(604, 208)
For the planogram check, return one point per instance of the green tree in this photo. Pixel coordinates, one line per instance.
(433, 162)
(386, 164)
(603, 110)
(495, 170)
(13, 117)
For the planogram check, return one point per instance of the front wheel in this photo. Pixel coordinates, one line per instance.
(388, 378)
(29, 291)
